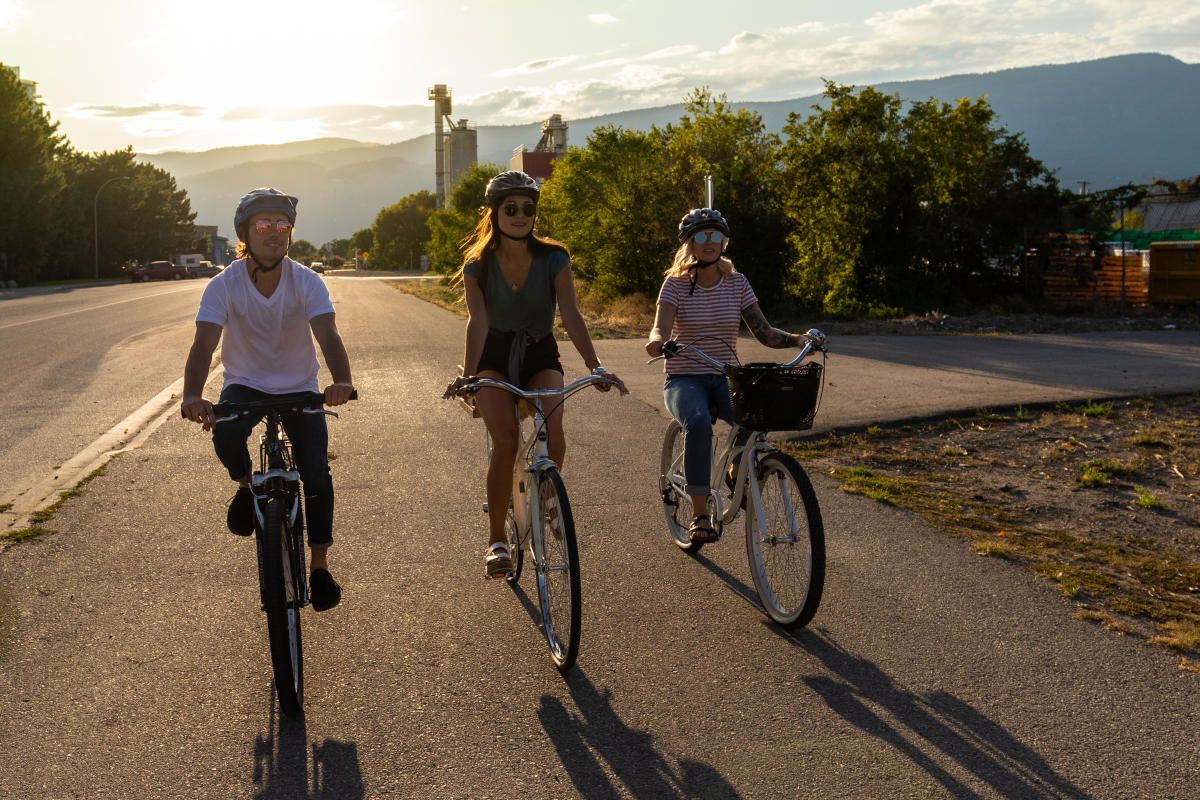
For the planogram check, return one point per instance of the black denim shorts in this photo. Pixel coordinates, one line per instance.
(540, 354)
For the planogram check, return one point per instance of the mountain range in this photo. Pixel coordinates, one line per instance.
(1106, 122)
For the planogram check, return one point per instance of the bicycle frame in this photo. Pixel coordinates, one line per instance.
(755, 446)
(277, 477)
(534, 449)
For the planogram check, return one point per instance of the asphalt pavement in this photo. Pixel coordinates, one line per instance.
(133, 656)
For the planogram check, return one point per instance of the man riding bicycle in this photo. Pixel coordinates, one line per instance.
(269, 308)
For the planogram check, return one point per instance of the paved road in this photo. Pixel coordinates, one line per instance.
(132, 654)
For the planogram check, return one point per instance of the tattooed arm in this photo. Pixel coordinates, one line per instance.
(762, 330)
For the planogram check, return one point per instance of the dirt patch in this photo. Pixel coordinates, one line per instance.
(1099, 498)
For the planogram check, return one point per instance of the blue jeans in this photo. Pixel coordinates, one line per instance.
(687, 398)
(310, 448)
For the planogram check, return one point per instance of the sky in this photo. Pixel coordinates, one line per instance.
(161, 75)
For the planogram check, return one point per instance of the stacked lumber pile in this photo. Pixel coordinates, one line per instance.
(1076, 278)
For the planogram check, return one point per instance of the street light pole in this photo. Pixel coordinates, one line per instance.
(95, 219)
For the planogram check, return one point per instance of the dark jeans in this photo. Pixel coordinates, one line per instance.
(310, 448)
(687, 398)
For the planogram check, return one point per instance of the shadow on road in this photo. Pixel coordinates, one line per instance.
(919, 725)
(929, 728)
(281, 764)
(608, 759)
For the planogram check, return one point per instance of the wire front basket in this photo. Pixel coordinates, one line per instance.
(771, 397)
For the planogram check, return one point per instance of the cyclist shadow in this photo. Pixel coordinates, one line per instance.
(596, 736)
(979, 745)
(604, 757)
(926, 727)
(281, 765)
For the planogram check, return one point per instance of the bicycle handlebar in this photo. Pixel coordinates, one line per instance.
(298, 402)
(815, 340)
(531, 394)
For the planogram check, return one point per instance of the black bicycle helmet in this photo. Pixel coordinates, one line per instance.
(699, 218)
(510, 182)
(262, 201)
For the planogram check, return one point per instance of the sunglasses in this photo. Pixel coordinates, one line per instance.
(708, 236)
(528, 209)
(264, 226)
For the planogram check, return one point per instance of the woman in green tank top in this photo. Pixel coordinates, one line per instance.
(512, 281)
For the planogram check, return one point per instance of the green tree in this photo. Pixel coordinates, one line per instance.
(30, 181)
(735, 148)
(617, 202)
(303, 251)
(615, 205)
(145, 218)
(892, 210)
(362, 240)
(451, 224)
(401, 233)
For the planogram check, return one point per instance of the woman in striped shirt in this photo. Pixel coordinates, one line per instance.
(703, 301)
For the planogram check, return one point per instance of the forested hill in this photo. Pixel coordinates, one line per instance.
(1110, 121)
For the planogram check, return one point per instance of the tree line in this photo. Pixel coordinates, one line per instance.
(57, 203)
(872, 205)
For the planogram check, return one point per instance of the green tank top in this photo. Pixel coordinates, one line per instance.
(530, 309)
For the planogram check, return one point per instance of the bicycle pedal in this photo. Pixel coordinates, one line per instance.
(485, 508)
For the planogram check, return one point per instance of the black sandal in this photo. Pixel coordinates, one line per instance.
(702, 532)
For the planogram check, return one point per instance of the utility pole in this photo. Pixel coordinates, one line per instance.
(1083, 188)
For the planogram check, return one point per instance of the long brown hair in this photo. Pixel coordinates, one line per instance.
(485, 240)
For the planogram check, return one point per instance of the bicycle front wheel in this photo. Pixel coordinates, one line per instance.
(558, 570)
(672, 485)
(787, 555)
(283, 590)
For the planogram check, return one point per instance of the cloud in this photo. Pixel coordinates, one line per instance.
(540, 65)
(805, 27)
(602, 19)
(675, 51)
(606, 63)
(745, 40)
(134, 112)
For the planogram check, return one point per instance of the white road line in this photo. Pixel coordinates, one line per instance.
(128, 434)
(93, 308)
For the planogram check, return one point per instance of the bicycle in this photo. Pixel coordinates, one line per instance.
(552, 544)
(279, 534)
(786, 549)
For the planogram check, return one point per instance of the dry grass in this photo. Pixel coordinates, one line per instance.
(1100, 499)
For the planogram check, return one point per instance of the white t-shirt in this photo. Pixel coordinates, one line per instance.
(266, 341)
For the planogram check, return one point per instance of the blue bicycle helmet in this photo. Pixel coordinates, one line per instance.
(262, 201)
(699, 218)
(510, 182)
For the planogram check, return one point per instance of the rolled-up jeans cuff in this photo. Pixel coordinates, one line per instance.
(695, 491)
(326, 543)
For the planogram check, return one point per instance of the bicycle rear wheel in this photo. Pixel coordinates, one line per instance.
(283, 593)
(788, 562)
(672, 485)
(558, 570)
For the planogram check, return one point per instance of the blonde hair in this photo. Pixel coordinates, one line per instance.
(684, 261)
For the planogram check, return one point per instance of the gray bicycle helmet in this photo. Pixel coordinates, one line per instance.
(699, 218)
(510, 182)
(262, 201)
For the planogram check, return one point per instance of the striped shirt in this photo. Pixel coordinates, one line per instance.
(708, 318)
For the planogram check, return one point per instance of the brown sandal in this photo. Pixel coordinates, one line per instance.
(499, 563)
(702, 531)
